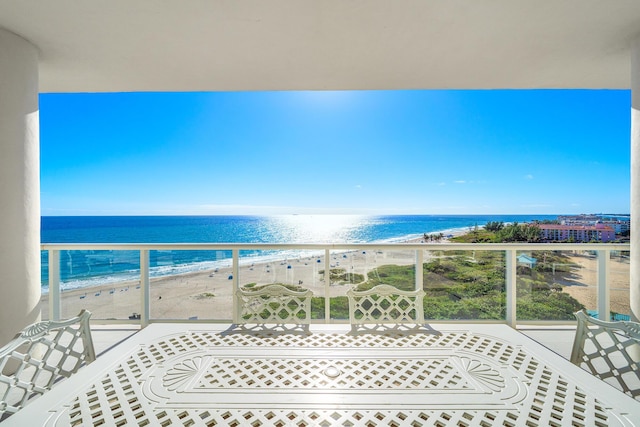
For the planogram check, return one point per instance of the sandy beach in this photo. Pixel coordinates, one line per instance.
(207, 295)
(584, 278)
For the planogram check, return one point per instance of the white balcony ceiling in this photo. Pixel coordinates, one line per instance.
(213, 45)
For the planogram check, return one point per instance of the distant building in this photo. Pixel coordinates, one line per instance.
(578, 233)
(578, 219)
(620, 226)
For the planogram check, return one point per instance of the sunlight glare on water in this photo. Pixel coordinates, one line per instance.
(318, 228)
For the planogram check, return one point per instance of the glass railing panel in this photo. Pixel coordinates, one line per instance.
(459, 284)
(394, 267)
(552, 285)
(619, 283)
(464, 285)
(105, 282)
(190, 285)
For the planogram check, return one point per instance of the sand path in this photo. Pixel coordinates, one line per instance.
(584, 278)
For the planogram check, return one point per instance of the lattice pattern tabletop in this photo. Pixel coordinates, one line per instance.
(328, 375)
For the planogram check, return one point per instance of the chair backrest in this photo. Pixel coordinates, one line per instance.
(385, 304)
(610, 351)
(273, 304)
(40, 355)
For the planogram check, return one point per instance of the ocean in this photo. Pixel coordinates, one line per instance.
(88, 268)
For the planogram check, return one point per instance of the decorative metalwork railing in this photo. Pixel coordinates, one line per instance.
(324, 260)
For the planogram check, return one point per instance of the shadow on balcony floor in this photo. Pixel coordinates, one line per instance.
(556, 338)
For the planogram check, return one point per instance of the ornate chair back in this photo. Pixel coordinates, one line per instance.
(273, 304)
(610, 351)
(40, 355)
(385, 304)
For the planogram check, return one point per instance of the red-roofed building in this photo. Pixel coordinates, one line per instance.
(577, 233)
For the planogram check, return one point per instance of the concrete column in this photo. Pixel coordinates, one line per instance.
(635, 182)
(19, 186)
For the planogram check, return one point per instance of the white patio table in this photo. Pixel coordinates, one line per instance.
(436, 375)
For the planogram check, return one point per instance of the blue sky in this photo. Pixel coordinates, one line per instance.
(365, 152)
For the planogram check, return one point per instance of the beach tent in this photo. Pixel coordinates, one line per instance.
(526, 260)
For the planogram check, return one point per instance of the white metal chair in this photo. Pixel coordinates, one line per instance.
(385, 304)
(610, 351)
(273, 304)
(40, 355)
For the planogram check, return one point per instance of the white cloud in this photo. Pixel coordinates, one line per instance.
(528, 176)
(460, 182)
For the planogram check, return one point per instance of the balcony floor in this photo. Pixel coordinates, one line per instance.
(558, 339)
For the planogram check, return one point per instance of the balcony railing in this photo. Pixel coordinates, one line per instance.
(489, 280)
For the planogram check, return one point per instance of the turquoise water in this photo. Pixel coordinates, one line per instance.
(86, 268)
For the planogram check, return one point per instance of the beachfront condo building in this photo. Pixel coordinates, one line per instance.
(620, 224)
(577, 233)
